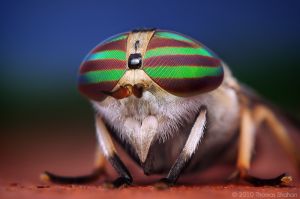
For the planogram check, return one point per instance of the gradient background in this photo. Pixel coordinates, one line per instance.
(42, 44)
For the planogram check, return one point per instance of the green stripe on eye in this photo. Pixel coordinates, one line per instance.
(110, 54)
(117, 38)
(176, 51)
(180, 72)
(101, 76)
(175, 36)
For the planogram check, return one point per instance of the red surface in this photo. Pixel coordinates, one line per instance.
(216, 191)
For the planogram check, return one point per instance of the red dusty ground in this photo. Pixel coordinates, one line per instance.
(205, 191)
(64, 149)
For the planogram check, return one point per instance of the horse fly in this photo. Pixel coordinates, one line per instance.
(173, 106)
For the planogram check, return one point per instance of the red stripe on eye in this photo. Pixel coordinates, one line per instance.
(102, 64)
(95, 91)
(186, 60)
(156, 42)
(115, 45)
(189, 87)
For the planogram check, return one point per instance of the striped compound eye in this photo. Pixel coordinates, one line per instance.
(180, 65)
(176, 63)
(103, 67)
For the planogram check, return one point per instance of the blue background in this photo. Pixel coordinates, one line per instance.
(42, 44)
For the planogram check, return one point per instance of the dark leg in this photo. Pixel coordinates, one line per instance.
(47, 176)
(125, 177)
(93, 176)
(282, 179)
(174, 173)
(187, 152)
(109, 151)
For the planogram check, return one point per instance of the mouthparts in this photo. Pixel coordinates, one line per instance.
(126, 91)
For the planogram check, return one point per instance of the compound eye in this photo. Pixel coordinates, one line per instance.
(181, 66)
(103, 68)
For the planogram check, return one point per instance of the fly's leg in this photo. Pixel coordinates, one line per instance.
(250, 120)
(110, 154)
(93, 176)
(263, 114)
(246, 142)
(187, 152)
